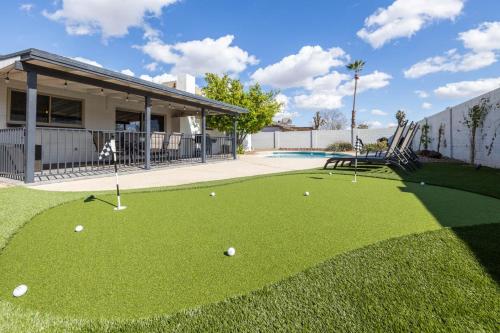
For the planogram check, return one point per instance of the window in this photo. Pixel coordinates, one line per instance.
(65, 111)
(18, 107)
(134, 122)
(49, 110)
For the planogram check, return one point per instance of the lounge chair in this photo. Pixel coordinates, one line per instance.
(405, 148)
(391, 156)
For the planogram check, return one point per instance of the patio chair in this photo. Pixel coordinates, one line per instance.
(391, 156)
(173, 147)
(158, 153)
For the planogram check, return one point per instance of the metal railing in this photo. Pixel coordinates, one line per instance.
(12, 153)
(75, 152)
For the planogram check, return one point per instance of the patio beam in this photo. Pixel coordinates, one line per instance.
(147, 112)
(29, 136)
(203, 136)
(58, 74)
(235, 136)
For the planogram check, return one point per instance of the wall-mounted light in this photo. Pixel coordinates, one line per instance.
(170, 106)
(65, 84)
(101, 92)
(7, 79)
(126, 99)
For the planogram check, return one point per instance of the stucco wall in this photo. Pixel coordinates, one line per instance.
(456, 140)
(314, 139)
(99, 111)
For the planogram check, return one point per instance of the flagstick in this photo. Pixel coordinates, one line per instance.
(356, 161)
(119, 206)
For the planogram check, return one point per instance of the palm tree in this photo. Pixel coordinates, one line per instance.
(356, 67)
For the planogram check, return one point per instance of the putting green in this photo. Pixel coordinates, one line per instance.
(164, 253)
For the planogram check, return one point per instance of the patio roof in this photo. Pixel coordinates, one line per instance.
(52, 65)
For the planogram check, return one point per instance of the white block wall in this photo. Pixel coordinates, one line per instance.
(314, 139)
(456, 141)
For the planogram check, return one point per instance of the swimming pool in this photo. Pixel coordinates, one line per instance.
(303, 154)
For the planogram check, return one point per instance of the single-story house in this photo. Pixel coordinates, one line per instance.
(56, 114)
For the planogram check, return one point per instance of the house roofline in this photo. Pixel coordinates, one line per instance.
(39, 55)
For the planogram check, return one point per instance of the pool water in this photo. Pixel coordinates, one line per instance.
(304, 154)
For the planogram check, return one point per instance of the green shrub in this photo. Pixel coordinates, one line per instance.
(240, 150)
(340, 146)
(373, 147)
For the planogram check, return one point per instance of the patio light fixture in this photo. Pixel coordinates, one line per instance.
(101, 92)
(65, 84)
(7, 79)
(126, 98)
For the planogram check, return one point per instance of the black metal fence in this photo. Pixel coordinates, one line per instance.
(12, 153)
(67, 153)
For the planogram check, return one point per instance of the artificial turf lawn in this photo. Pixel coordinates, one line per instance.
(165, 252)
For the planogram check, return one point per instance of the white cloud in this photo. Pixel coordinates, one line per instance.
(26, 7)
(151, 66)
(421, 93)
(297, 70)
(486, 37)
(111, 18)
(378, 112)
(198, 57)
(318, 100)
(284, 112)
(468, 88)
(403, 18)
(128, 72)
(372, 81)
(426, 106)
(374, 124)
(451, 61)
(160, 79)
(327, 92)
(392, 125)
(87, 61)
(284, 100)
(482, 41)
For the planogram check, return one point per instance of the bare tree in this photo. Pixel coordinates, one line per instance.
(332, 120)
(318, 120)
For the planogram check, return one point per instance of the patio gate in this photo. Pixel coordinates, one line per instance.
(12, 153)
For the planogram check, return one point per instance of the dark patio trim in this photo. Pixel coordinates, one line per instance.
(154, 90)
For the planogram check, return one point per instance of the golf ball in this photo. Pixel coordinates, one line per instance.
(422, 183)
(79, 228)
(231, 251)
(20, 290)
(306, 194)
(212, 194)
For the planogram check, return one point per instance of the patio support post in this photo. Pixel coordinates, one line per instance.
(203, 136)
(147, 111)
(29, 136)
(235, 136)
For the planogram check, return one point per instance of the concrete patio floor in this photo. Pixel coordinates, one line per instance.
(245, 165)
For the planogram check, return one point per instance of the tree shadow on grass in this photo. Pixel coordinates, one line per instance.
(92, 198)
(483, 242)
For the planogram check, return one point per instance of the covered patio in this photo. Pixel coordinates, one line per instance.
(61, 112)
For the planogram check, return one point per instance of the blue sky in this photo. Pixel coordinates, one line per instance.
(447, 50)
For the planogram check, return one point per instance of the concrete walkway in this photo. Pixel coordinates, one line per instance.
(246, 165)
